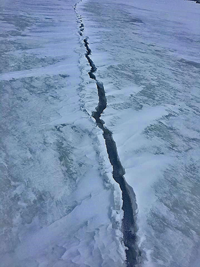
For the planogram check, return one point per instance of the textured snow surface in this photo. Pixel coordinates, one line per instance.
(148, 58)
(58, 203)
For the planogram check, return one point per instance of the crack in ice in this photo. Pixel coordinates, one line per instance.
(128, 196)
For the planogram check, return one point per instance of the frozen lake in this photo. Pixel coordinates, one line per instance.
(148, 58)
(59, 204)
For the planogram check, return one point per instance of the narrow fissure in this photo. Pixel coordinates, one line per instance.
(128, 196)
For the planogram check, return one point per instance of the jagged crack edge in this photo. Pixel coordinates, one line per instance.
(128, 196)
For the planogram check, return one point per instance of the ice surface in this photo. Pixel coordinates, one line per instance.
(148, 54)
(58, 203)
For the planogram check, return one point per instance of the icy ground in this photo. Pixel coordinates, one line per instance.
(148, 58)
(58, 203)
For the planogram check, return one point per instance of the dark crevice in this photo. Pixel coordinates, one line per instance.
(128, 196)
(87, 55)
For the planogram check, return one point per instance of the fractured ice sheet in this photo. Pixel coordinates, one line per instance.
(148, 54)
(58, 205)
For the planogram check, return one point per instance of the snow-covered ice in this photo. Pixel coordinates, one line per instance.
(148, 58)
(58, 203)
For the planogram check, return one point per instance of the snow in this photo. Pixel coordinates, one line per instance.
(59, 203)
(147, 54)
